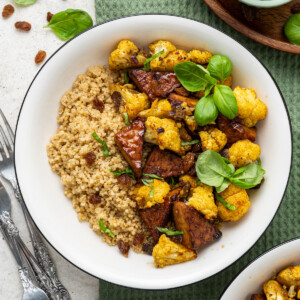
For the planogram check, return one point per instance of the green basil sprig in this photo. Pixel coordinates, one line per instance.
(148, 60)
(153, 176)
(104, 145)
(292, 29)
(189, 143)
(126, 77)
(146, 183)
(25, 2)
(105, 229)
(126, 171)
(220, 67)
(168, 231)
(126, 119)
(67, 24)
(214, 170)
(205, 110)
(226, 204)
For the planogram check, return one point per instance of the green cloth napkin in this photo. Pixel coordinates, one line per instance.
(285, 68)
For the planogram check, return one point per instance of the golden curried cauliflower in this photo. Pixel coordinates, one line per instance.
(164, 133)
(290, 276)
(243, 153)
(142, 193)
(126, 55)
(199, 57)
(168, 59)
(159, 109)
(167, 253)
(274, 291)
(236, 196)
(251, 109)
(212, 139)
(133, 102)
(203, 200)
(188, 179)
(190, 123)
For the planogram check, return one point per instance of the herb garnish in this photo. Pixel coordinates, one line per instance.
(148, 60)
(126, 171)
(226, 204)
(126, 119)
(188, 143)
(126, 78)
(153, 176)
(25, 2)
(205, 110)
(168, 231)
(104, 145)
(105, 229)
(172, 181)
(67, 24)
(292, 29)
(219, 67)
(146, 182)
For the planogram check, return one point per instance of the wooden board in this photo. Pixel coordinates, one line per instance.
(264, 25)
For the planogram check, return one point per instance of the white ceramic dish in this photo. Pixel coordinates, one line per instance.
(265, 3)
(251, 279)
(43, 193)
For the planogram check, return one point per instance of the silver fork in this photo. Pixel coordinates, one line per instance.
(8, 229)
(7, 171)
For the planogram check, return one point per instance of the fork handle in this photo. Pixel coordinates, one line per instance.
(41, 252)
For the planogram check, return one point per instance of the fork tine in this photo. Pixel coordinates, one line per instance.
(6, 142)
(2, 151)
(9, 130)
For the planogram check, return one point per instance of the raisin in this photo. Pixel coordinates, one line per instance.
(138, 239)
(182, 91)
(25, 26)
(116, 98)
(196, 148)
(8, 10)
(98, 104)
(192, 171)
(125, 180)
(95, 199)
(188, 161)
(49, 16)
(148, 248)
(90, 157)
(160, 130)
(176, 238)
(123, 247)
(134, 59)
(40, 57)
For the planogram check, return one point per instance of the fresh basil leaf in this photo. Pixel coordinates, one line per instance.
(152, 176)
(148, 60)
(105, 229)
(227, 161)
(259, 161)
(191, 76)
(208, 89)
(104, 145)
(126, 171)
(198, 181)
(248, 177)
(205, 111)
(172, 181)
(25, 2)
(168, 231)
(126, 119)
(223, 186)
(292, 29)
(67, 24)
(126, 78)
(210, 79)
(220, 67)
(225, 101)
(188, 143)
(212, 169)
(146, 183)
(226, 204)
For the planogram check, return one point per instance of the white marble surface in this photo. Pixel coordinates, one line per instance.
(17, 69)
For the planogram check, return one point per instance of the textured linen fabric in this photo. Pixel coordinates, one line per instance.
(285, 68)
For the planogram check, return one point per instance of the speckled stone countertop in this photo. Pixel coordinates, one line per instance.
(17, 69)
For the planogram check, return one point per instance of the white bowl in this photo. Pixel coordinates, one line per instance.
(262, 269)
(43, 193)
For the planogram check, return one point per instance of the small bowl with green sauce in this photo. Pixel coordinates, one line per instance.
(265, 3)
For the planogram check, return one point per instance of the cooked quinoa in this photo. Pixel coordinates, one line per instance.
(78, 119)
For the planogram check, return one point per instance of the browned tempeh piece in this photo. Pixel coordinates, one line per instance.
(163, 164)
(154, 84)
(258, 297)
(178, 99)
(197, 231)
(130, 142)
(235, 131)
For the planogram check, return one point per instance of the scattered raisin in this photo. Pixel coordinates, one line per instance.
(95, 199)
(8, 10)
(182, 91)
(125, 180)
(188, 161)
(176, 238)
(138, 239)
(196, 148)
(98, 104)
(134, 59)
(90, 157)
(217, 235)
(25, 26)
(49, 16)
(192, 171)
(160, 130)
(123, 247)
(40, 57)
(116, 98)
(295, 9)
(148, 248)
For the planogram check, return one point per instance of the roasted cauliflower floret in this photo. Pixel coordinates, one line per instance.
(243, 153)
(212, 139)
(236, 196)
(126, 55)
(164, 133)
(190, 123)
(251, 109)
(203, 200)
(159, 109)
(159, 46)
(188, 179)
(274, 291)
(133, 102)
(142, 194)
(167, 253)
(290, 276)
(199, 57)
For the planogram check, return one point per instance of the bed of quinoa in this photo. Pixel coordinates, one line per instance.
(78, 119)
